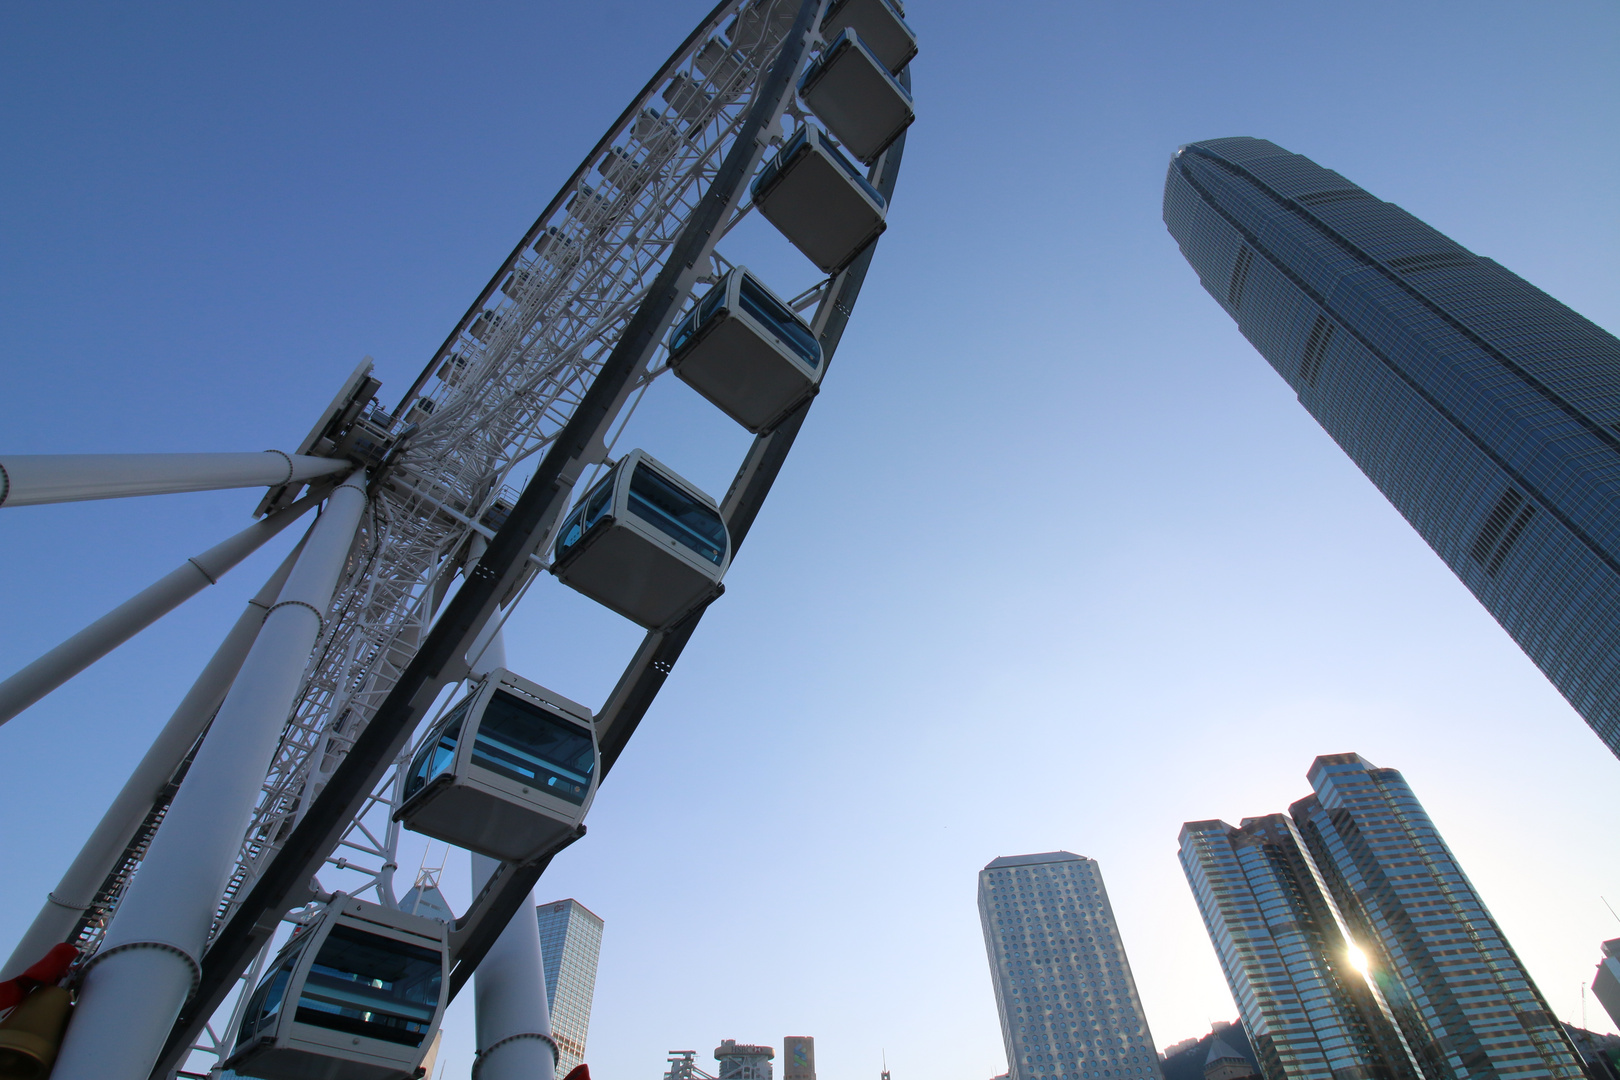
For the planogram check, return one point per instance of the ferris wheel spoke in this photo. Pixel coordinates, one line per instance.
(36, 479)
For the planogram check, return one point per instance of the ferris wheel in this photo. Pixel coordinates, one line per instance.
(236, 905)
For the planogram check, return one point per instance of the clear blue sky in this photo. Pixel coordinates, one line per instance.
(1057, 563)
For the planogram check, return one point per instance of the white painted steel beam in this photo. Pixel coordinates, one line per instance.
(140, 611)
(149, 960)
(32, 479)
(509, 998)
(75, 893)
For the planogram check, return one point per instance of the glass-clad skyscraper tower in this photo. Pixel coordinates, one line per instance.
(1286, 951)
(1357, 949)
(1485, 410)
(570, 944)
(1067, 1001)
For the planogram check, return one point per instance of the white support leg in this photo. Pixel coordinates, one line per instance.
(101, 852)
(509, 996)
(148, 963)
(31, 479)
(138, 612)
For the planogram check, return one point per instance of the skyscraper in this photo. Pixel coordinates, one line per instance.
(1464, 1000)
(1355, 946)
(1487, 412)
(799, 1057)
(1285, 949)
(743, 1061)
(570, 945)
(1064, 991)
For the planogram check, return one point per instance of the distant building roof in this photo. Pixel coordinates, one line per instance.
(428, 902)
(733, 1048)
(1219, 1051)
(1186, 1060)
(1034, 860)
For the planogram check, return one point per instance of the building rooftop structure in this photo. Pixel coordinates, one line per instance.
(1188, 1059)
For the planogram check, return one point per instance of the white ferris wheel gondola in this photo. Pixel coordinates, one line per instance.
(509, 772)
(880, 23)
(746, 351)
(356, 995)
(820, 201)
(644, 542)
(854, 94)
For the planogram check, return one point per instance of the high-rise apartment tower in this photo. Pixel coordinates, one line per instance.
(1064, 992)
(570, 945)
(1487, 412)
(1356, 947)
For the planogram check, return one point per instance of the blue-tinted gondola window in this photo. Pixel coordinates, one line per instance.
(435, 755)
(366, 984)
(777, 318)
(265, 1004)
(524, 742)
(676, 514)
(590, 510)
(683, 334)
(598, 502)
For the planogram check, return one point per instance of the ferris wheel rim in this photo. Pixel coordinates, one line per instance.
(710, 22)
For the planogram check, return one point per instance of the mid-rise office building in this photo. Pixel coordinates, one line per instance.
(1487, 412)
(1067, 1001)
(1355, 946)
(570, 946)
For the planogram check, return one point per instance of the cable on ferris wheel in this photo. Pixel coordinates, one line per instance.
(275, 794)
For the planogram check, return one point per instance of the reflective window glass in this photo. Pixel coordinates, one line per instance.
(570, 532)
(683, 333)
(524, 742)
(265, 1004)
(587, 512)
(598, 502)
(676, 514)
(776, 317)
(435, 754)
(367, 984)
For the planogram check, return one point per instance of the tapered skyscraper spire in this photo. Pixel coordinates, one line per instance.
(1487, 412)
